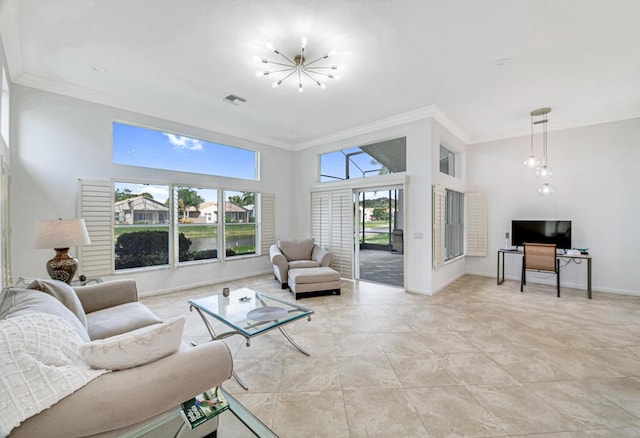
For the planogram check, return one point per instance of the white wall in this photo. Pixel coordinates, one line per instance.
(58, 140)
(597, 186)
(417, 234)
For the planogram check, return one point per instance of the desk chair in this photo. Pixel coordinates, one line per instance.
(540, 257)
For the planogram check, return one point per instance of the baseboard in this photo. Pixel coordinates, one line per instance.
(579, 286)
(204, 283)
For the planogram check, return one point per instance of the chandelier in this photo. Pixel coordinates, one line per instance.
(543, 171)
(299, 67)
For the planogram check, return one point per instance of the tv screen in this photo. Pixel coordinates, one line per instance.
(558, 232)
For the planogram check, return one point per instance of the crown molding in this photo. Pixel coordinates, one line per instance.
(561, 126)
(131, 106)
(428, 112)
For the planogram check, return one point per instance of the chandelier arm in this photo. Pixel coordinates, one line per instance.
(319, 67)
(285, 57)
(280, 63)
(284, 78)
(280, 71)
(318, 83)
(319, 73)
(316, 60)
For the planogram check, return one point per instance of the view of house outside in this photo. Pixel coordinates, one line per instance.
(142, 218)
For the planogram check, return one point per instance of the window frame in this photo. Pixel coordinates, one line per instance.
(174, 229)
(449, 158)
(185, 138)
(454, 225)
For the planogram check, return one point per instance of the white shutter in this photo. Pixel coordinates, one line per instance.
(95, 206)
(332, 227)
(267, 221)
(438, 211)
(320, 203)
(342, 232)
(476, 224)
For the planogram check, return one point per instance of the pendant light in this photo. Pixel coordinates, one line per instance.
(543, 171)
(532, 161)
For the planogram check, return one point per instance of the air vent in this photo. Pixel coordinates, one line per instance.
(233, 99)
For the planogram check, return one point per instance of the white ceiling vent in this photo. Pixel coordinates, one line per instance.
(233, 99)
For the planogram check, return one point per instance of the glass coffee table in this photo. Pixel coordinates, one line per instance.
(249, 313)
(235, 422)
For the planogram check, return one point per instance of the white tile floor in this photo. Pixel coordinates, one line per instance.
(475, 360)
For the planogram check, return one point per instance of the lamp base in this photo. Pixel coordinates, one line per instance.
(62, 267)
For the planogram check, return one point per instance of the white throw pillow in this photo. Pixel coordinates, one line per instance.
(135, 348)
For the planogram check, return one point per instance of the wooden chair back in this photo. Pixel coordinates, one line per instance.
(540, 256)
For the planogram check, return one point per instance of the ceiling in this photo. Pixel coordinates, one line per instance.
(178, 59)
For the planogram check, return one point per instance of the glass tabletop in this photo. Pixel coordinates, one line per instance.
(249, 312)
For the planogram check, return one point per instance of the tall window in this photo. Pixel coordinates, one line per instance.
(453, 224)
(240, 223)
(365, 161)
(197, 211)
(4, 108)
(141, 225)
(447, 161)
(143, 147)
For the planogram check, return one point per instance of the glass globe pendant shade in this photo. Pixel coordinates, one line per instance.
(546, 189)
(531, 162)
(544, 172)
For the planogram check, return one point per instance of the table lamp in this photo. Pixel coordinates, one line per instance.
(61, 234)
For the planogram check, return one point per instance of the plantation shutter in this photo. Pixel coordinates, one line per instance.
(95, 206)
(342, 232)
(332, 227)
(438, 212)
(267, 221)
(476, 224)
(320, 202)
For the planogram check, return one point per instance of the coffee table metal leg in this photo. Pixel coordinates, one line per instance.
(286, 335)
(240, 381)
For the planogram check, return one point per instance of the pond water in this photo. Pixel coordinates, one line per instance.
(204, 243)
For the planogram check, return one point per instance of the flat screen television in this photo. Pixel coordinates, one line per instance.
(541, 231)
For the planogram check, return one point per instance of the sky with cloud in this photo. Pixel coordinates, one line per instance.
(143, 147)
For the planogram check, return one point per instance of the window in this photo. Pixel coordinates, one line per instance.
(453, 224)
(447, 161)
(240, 223)
(4, 108)
(143, 147)
(197, 211)
(141, 225)
(365, 161)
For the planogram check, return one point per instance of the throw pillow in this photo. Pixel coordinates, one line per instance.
(16, 302)
(135, 348)
(64, 293)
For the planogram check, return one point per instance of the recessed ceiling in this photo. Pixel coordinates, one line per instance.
(485, 64)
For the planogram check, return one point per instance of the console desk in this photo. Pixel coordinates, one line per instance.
(574, 258)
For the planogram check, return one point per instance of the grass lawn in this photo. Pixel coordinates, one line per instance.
(191, 231)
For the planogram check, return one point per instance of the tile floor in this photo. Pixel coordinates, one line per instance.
(475, 360)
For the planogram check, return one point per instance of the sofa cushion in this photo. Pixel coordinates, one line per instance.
(119, 319)
(135, 348)
(296, 264)
(313, 275)
(16, 302)
(64, 293)
(296, 249)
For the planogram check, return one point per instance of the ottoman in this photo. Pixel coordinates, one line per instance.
(313, 282)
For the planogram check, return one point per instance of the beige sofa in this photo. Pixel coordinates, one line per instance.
(124, 399)
(296, 254)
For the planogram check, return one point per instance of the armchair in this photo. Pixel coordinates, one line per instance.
(296, 254)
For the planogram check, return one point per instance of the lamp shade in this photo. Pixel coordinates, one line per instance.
(61, 233)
